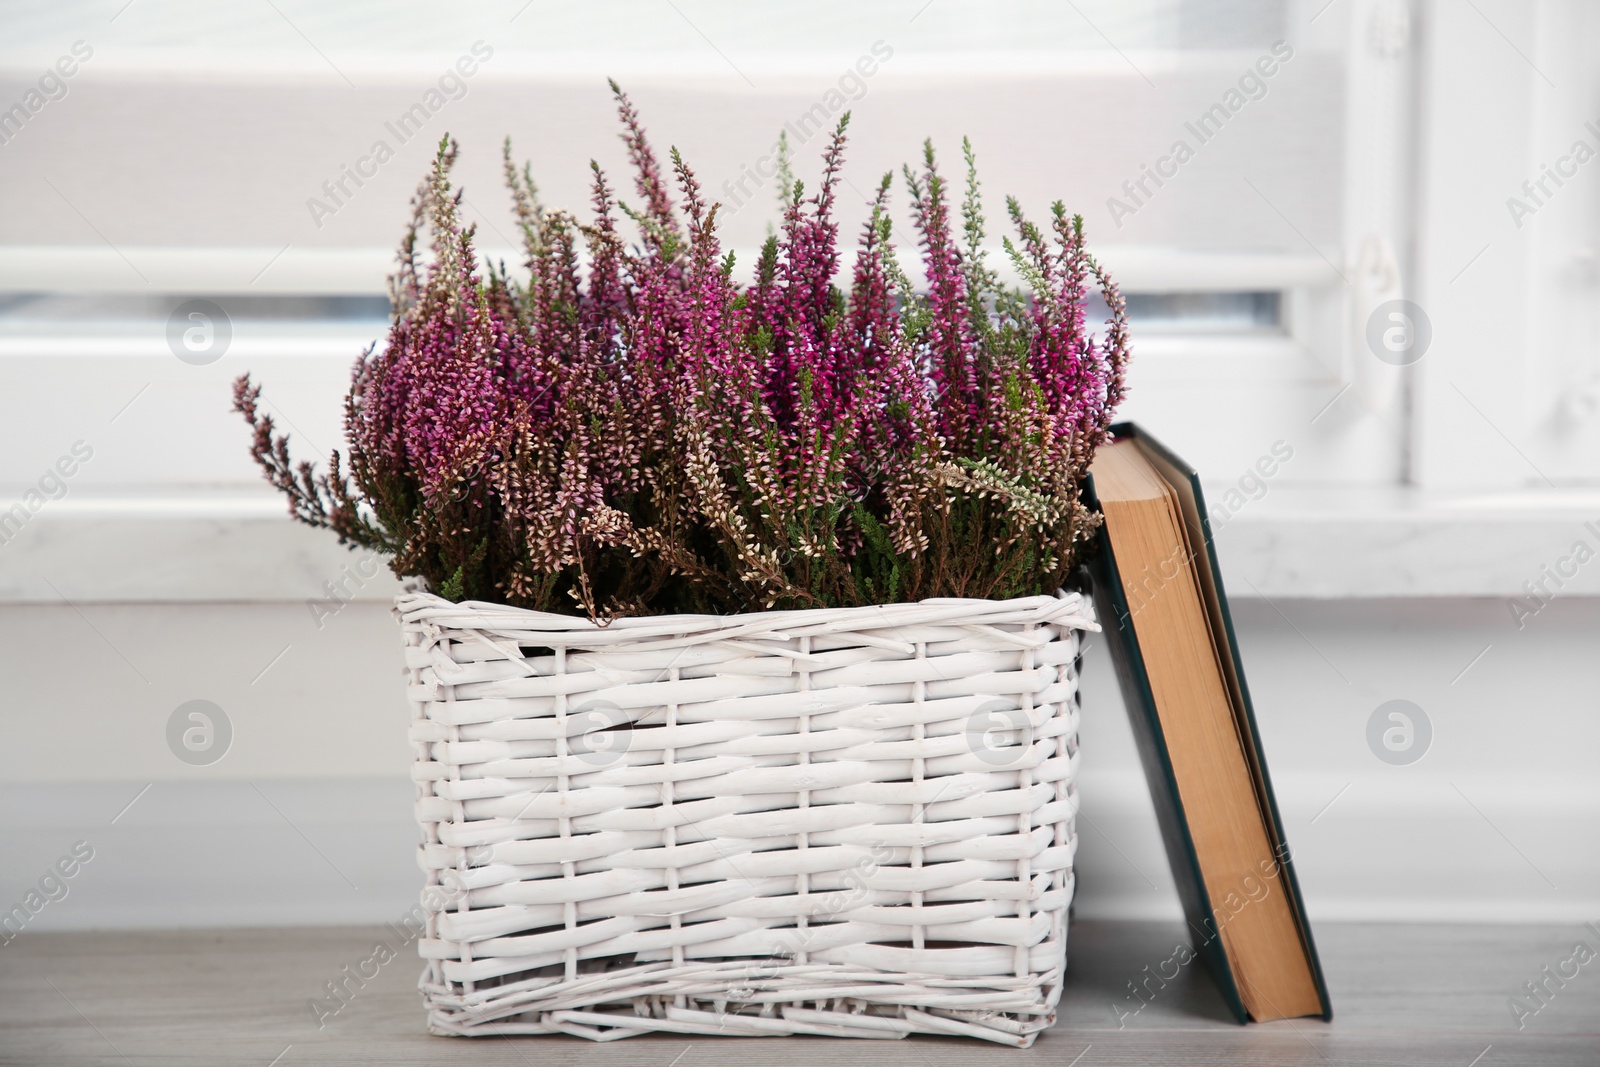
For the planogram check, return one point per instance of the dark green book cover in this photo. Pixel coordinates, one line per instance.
(1111, 605)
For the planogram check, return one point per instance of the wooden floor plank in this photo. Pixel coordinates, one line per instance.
(1415, 995)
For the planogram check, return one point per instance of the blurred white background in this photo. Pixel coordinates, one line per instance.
(1361, 257)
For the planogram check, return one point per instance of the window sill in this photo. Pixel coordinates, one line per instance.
(1322, 542)
(237, 544)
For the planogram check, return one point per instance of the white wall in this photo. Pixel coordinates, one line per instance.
(307, 819)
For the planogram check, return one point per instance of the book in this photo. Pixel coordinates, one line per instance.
(1159, 594)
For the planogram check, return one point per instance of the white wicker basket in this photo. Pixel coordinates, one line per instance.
(853, 822)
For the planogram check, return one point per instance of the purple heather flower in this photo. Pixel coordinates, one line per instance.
(642, 433)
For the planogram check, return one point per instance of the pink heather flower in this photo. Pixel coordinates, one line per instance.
(641, 433)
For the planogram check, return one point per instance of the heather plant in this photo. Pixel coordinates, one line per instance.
(641, 433)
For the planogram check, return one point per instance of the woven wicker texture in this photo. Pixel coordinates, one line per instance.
(852, 822)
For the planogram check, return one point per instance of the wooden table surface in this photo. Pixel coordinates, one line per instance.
(1403, 994)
